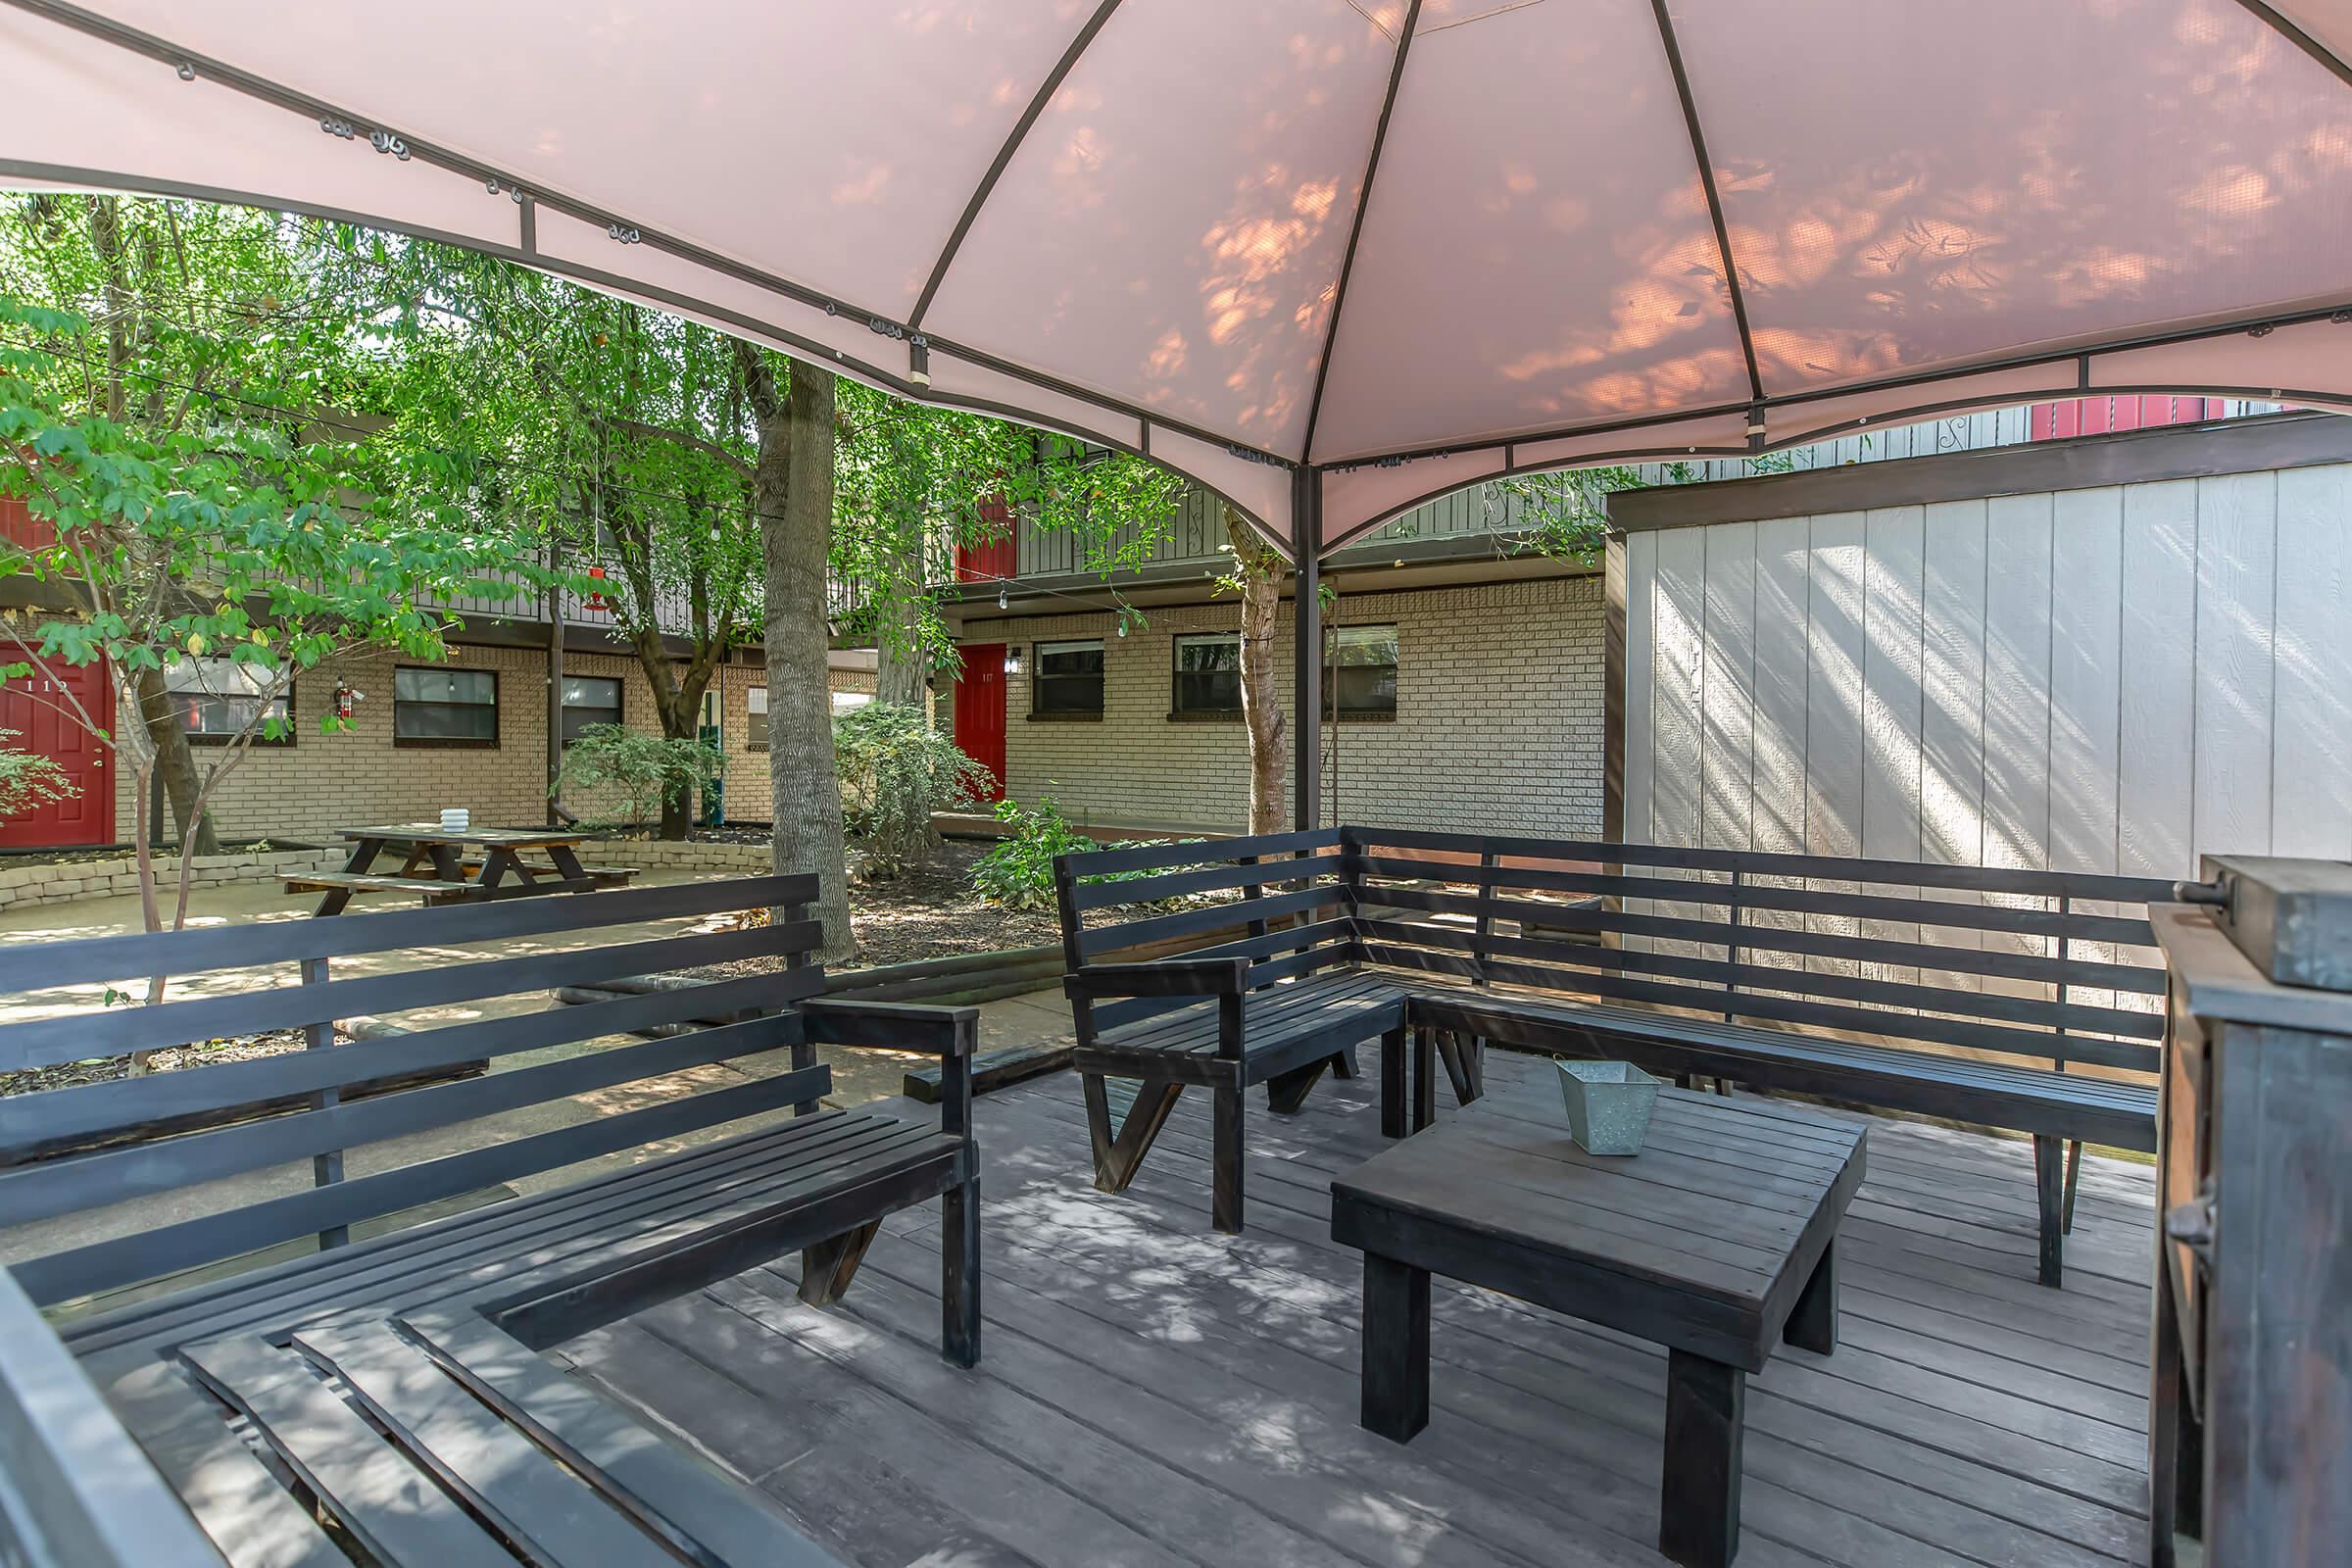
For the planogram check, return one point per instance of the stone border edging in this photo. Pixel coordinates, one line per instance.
(64, 881)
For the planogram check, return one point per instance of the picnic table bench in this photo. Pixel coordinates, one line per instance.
(433, 1328)
(1994, 996)
(459, 865)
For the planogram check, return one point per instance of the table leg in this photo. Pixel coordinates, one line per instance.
(1813, 1322)
(566, 862)
(1395, 1348)
(1699, 1507)
(496, 863)
(446, 865)
(362, 855)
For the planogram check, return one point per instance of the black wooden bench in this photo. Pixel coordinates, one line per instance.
(432, 1328)
(1276, 997)
(2024, 1000)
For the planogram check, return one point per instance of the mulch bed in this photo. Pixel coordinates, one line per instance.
(934, 913)
(210, 1053)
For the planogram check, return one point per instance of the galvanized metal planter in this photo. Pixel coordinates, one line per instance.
(1609, 1104)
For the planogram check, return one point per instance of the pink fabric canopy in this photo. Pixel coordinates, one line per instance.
(1414, 243)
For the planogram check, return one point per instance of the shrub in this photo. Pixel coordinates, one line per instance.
(28, 780)
(1018, 873)
(896, 770)
(641, 768)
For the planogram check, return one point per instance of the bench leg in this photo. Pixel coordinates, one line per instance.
(2074, 1178)
(2049, 1184)
(827, 1268)
(1425, 1078)
(959, 1276)
(1119, 1149)
(1464, 1057)
(1813, 1322)
(1698, 1506)
(1395, 1348)
(1287, 1092)
(1392, 1084)
(1344, 1066)
(1225, 1206)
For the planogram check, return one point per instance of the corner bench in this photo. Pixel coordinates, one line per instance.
(1963, 993)
(434, 1329)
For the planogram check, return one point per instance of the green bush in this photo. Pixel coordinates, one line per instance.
(896, 770)
(641, 768)
(1018, 873)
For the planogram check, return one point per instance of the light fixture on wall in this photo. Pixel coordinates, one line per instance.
(1013, 661)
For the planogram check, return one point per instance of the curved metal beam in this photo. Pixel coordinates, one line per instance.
(2286, 29)
(1355, 229)
(1013, 144)
(1706, 179)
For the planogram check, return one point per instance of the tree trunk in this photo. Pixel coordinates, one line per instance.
(175, 760)
(678, 702)
(792, 491)
(897, 657)
(1258, 570)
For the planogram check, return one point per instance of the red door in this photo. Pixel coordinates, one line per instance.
(980, 708)
(31, 707)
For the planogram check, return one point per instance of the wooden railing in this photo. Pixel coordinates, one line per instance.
(76, 1492)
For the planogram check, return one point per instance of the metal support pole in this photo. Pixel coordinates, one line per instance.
(1307, 648)
(554, 681)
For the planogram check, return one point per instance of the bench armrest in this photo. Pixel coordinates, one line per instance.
(1161, 977)
(892, 1025)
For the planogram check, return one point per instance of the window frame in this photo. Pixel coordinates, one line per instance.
(1332, 712)
(1177, 711)
(465, 743)
(755, 735)
(619, 707)
(1038, 679)
(200, 737)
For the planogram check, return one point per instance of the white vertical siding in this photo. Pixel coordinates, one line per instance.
(2116, 679)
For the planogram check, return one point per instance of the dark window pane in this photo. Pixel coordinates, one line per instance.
(1068, 679)
(1361, 681)
(589, 699)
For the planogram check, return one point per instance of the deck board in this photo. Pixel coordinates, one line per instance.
(1152, 1393)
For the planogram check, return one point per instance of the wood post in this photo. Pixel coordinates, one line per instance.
(1813, 1322)
(1395, 1348)
(1392, 1084)
(2049, 1183)
(1698, 1510)
(325, 1168)
(1225, 1208)
(959, 1275)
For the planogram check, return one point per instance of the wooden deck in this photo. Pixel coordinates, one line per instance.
(1155, 1393)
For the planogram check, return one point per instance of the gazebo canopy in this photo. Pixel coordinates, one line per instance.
(1409, 245)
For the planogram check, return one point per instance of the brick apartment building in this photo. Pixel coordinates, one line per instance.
(1468, 669)
(400, 759)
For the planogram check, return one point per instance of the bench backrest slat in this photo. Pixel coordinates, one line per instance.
(107, 1176)
(37, 966)
(45, 1042)
(158, 1105)
(168, 1249)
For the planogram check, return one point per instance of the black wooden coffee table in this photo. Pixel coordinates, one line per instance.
(1717, 1241)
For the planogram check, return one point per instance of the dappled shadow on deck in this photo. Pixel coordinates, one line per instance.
(1155, 1393)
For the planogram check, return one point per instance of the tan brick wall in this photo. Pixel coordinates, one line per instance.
(1498, 717)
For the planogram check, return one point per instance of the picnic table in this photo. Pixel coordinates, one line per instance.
(1717, 1241)
(445, 865)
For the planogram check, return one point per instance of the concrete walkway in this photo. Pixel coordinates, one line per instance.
(858, 1075)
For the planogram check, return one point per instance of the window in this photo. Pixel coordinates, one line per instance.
(216, 698)
(849, 701)
(589, 699)
(1361, 680)
(443, 708)
(1208, 675)
(754, 729)
(1069, 681)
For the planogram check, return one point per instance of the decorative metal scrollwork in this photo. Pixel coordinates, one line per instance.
(337, 127)
(188, 70)
(626, 236)
(383, 141)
